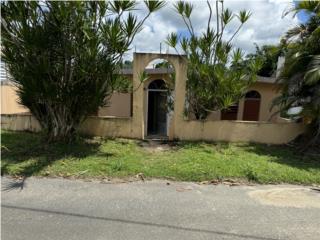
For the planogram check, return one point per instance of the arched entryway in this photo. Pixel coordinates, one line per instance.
(157, 108)
(251, 106)
(140, 99)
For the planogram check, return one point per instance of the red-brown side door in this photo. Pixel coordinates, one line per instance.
(251, 110)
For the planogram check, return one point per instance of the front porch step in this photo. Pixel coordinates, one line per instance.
(157, 138)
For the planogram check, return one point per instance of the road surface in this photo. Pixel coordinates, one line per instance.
(76, 209)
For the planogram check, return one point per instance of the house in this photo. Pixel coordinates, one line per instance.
(255, 106)
(9, 99)
(144, 113)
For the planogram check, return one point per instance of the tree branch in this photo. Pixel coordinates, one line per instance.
(210, 15)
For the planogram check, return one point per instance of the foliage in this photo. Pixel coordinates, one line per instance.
(25, 155)
(65, 56)
(268, 55)
(300, 76)
(217, 73)
(163, 64)
(127, 64)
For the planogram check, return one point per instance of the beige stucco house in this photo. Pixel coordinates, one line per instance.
(255, 107)
(144, 113)
(9, 99)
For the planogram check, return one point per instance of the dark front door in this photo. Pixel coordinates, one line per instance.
(157, 113)
(251, 110)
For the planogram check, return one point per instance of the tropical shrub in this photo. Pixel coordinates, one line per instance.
(300, 75)
(65, 56)
(218, 74)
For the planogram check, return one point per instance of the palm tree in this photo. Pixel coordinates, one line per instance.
(300, 75)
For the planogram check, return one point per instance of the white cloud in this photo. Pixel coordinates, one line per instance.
(266, 25)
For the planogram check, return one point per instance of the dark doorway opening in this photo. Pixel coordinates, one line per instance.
(252, 106)
(157, 108)
(231, 113)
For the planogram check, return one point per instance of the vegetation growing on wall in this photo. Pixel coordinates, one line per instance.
(65, 57)
(300, 76)
(218, 74)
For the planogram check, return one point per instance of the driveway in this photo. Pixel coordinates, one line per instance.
(75, 209)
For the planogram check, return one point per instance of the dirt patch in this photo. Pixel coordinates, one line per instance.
(287, 197)
(157, 146)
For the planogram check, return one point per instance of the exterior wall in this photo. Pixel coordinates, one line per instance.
(232, 131)
(135, 126)
(9, 98)
(239, 131)
(19, 122)
(108, 127)
(95, 126)
(214, 116)
(268, 92)
(119, 105)
(140, 62)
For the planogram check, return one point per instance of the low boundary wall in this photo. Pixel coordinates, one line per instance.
(233, 131)
(240, 131)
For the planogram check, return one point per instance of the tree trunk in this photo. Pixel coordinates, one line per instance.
(58, 124)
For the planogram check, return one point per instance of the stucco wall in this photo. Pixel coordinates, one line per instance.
(19, 122)
(239, 131)
(134, 127)
(140, 62)
(268, 92)
(233, 131)
(119, 105)
(95, 126)
(108, 127)
(9, 101)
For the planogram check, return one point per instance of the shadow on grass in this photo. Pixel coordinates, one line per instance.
(286, 155)
(282, 154)
(33, 155)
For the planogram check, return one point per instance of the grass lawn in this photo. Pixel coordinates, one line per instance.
(24, 154)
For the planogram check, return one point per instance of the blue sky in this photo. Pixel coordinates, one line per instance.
(303, 16)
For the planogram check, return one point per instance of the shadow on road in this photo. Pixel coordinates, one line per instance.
(13, 185)
(139, 223)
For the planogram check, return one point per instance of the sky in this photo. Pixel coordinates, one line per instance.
(265, 26)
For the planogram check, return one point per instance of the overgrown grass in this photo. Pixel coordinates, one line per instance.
(24, 154)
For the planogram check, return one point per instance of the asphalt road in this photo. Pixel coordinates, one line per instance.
(69, 209)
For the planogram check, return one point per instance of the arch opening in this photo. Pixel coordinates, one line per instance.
(159, 98)
(157, 84)
(252, 95)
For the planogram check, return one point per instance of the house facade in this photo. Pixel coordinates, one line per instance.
(144, 113)
(255, 106)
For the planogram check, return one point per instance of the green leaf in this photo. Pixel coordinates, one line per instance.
(227, 16)
(179, 6)
(244, 16)
(172, 40)
(154, 5)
